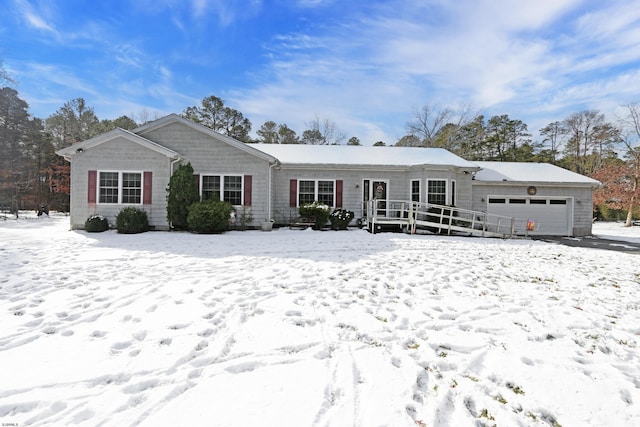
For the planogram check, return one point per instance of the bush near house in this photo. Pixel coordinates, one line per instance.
(340, 219)
(96, 224)
(132, 220)
(182, 192)
(317, 212)
(209, 216)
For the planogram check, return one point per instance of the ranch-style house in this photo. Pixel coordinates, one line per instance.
(132, 168)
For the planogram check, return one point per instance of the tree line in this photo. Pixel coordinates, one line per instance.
(31, 174)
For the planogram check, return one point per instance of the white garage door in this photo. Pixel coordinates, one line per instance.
(552, 215)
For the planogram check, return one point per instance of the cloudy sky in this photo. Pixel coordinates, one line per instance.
(364, 65)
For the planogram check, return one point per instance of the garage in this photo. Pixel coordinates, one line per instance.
(559, 201)
(552, 216)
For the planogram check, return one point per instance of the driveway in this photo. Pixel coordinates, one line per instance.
(593, 242)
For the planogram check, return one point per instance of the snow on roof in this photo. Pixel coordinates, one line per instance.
(301, 154)
(529, 172)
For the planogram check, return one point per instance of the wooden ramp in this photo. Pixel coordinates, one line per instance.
(415, 217)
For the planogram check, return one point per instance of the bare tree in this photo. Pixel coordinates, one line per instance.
(552, 138)
(588, 137)
(631, 141)
(322, 133)
(5, 78)
(437, 127)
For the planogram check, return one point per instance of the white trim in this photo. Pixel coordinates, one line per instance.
(79, 148)
(222, 176)
(446, 189)
(120, 182)
(315, 189)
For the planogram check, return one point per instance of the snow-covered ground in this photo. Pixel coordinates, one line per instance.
(308, 328)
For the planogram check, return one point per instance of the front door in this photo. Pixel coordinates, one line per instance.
(376, 189)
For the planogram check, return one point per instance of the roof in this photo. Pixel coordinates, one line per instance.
(356, 155)
(111, 135)
(529, 172)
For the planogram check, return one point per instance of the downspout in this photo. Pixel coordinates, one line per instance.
(173, 162)
(269, 187)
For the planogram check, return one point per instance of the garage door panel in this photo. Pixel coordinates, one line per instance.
(550, 215)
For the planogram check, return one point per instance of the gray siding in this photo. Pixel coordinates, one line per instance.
(580, 195)
(209, 156)
(119, 155)
(399, 186)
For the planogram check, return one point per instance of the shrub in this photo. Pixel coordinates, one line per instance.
(132, 220)
(182, 192)
(209, 216)
(340, 219)
(316, 211)
(96, 224)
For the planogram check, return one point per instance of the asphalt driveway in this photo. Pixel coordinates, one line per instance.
(593, 242)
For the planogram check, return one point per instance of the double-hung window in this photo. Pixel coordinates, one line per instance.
(437, 191)
(120, 187)
(227, 188)
(322, 191)
(131, 188)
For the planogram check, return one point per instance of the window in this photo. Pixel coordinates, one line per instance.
(233, 190)
(557, 202)
(306, 192)
(112, 187)
(131, 188)
(517, 201)
(537, 202)
(437, 191)
(120, 187)
(108, 187)
(325, 192)
(310, 191)
(221, 187)
(415, 190)
(210, 187)
(500, 201)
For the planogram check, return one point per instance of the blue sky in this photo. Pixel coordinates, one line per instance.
(364, 65)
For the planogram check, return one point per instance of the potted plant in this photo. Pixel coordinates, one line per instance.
(266, 225)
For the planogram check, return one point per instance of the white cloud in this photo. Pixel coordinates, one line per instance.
(506, 57)
(34, 18)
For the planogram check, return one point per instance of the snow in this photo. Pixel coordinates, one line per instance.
(311, 328)
(529, 172)
(354, 155)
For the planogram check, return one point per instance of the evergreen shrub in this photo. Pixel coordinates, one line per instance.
(209, 216)
(182, 192)
(132, 220)
(316, 211)
(96, 224)
(340, 219)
